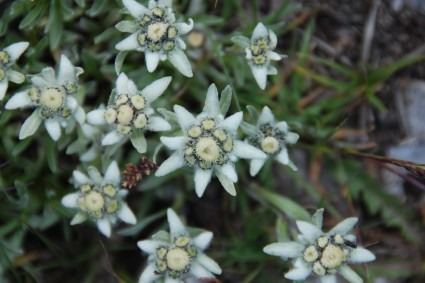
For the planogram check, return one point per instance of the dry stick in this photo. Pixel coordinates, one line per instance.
(369, 31)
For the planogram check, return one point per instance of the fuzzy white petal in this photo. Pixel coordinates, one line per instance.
(203, 240)
(273, 39)
(53, 128)
(79, 218)
(208, 263)
(232, 122)
(227, 184)
(184, 28)
(49, 75)
(112, 174)
(359, 255)
(96, 117)
(260, 75)
(158, 124)
(260, 31)
(274, 56)
(202, 179)
(149, 246)
(3, 88)
(15, 77)
(199, 271)
(173, 163)
(136, 9)
(309, 231)
(300, 272)
(104, 227)
(244, 150)
(79, 115)
(266, 117)
(176, 225)
(70, 200)
(112, 138)
(155, 89)
(152, 60)
(350, 274)
(180, 62)
(286, 250)
(291, 138)
(129, 43)
(31, 124)
(173, 143)
(80, 178)
(95, 175)
(15, 50)
(126, 215)
(121, 84)
(212, 105)
(171, 280)
(229, 171)
(283, 157)
(18, 100)
(184, 117)
(148, 275)
(344, 226)
(328, 279)
(66, 70)
(164, 3)
(255, 166)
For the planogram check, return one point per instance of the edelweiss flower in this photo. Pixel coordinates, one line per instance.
(99, 198)
(323, 254)
(53, 99)
(271, 138)
(155, 32)
(259, 52)
(8, 57)
(208, 145)
(176, 256)
(130, 113)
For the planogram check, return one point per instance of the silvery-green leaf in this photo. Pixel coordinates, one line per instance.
(248, 129)
(228, 185)
(139, 142)
(242, 41)
(119, 60)
(127, 26)
(31, 124)
(168, 115)
(15, 76)
(225, 100)
(252, 112)
(317, 218)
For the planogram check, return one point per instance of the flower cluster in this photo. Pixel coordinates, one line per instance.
(208, 145)
(8, 56)
(322, 254)
(176, 256)
(271, 137)
(259, 52)
(156, 33)
(130, 112)
(53, 98)
(99, 198)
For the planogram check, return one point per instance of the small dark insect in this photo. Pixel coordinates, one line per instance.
(350, 244)
(133, 173)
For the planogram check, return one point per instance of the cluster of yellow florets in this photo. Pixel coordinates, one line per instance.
(208, 145)
(175, 259)
(96, 201)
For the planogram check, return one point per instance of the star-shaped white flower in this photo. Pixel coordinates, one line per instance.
(176, 256)
(8, 56)
(155, 32)
(208, 145)
(53, 99)
(131, 112)
(259, 53)
(323, 254)
(99, 198)
(271, 137)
